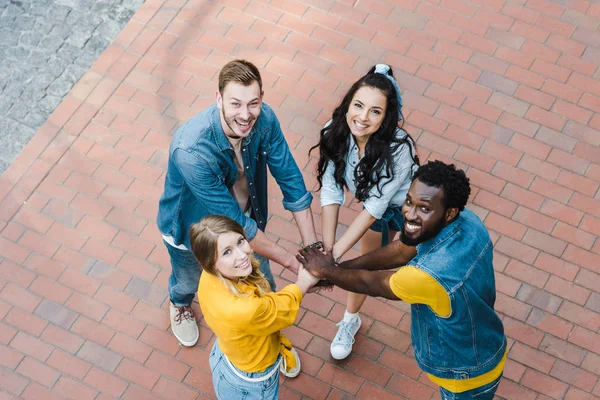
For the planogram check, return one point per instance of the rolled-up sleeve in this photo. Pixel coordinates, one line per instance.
(284, 169)
(331, 192)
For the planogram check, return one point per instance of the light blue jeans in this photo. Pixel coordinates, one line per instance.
(185, 275)
(485, 392)
(229, 386)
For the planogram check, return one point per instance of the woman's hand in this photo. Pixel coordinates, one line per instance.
(305, 280)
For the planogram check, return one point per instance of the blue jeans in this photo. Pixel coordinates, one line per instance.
(485, 392)
(391, 220)
(229, 386)
(185, 275)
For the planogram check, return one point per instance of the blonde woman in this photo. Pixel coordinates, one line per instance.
(238, 305)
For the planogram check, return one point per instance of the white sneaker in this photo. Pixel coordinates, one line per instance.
(341, 346)
(294, 372)
(183, 324)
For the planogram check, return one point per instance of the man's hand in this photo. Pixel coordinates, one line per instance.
(315, 261)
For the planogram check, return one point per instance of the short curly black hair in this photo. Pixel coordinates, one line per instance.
(454, 182)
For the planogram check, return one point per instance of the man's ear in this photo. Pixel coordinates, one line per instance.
(219, 100)
(450, 215)
(262, 94)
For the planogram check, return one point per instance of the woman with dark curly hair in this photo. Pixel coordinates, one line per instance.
(364, 150)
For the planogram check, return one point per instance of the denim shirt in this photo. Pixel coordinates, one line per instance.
(470, 341)
(201, 170)
(393, 191)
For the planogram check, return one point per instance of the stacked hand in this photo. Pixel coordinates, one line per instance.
(316, 261)
(304, 271)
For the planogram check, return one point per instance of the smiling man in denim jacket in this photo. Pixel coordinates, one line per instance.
(448, 279)
(218, 165)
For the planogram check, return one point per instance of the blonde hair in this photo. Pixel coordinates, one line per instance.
(239, 71)
(204, 236)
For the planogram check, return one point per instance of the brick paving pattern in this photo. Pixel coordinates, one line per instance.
(509, 90)
(45, 48)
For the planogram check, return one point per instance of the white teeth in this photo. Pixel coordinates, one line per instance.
(412, 227)
(361, 126)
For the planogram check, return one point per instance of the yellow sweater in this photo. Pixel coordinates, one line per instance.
(413, 286)
(248, 328)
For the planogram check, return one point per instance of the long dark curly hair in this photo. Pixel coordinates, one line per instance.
(377, 162)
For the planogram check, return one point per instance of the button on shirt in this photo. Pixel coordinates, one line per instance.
(392, 193)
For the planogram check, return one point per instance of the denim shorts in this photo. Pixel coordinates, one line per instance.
(392, 220)
(485, 392)
(229, 386)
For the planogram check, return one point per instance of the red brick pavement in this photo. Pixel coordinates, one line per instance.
(507, 89)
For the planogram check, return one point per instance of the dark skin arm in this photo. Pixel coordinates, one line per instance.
(372, 283)
(391, 256)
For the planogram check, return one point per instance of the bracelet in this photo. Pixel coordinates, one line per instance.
(318, 244)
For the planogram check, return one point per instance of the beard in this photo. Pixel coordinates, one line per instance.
(424, 236)
(230, 122)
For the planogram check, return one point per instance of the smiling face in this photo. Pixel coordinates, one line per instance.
(233, 256)
(425, 214)
(366, 112)
(240, 108)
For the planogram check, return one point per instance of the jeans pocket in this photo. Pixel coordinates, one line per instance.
(227, 391)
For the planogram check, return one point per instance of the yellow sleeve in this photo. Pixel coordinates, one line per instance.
(275, 311)
(416, 286)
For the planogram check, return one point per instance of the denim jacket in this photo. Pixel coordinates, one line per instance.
(201, 171)
(470, 341)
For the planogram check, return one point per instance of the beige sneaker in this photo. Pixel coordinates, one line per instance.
(183, 324)
(292, 373)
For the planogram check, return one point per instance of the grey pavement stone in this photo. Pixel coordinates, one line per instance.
(37, 58)
(100, 356)
(60, 87)
(61, 30)
(7, 38)
(5, 104)
(143, 290)
(68, 52)
(30, 39)
(56, 313)
(32, 95)
(58, 14)
(51, 44)
(49, 103)
(45, 48)
(108, 29)
(17, 53)
(6, 21)
(73, 73)
(19, 110)
(86, 58)
(78, 37)
(23, 23)
(35, 118)
(96, 43)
